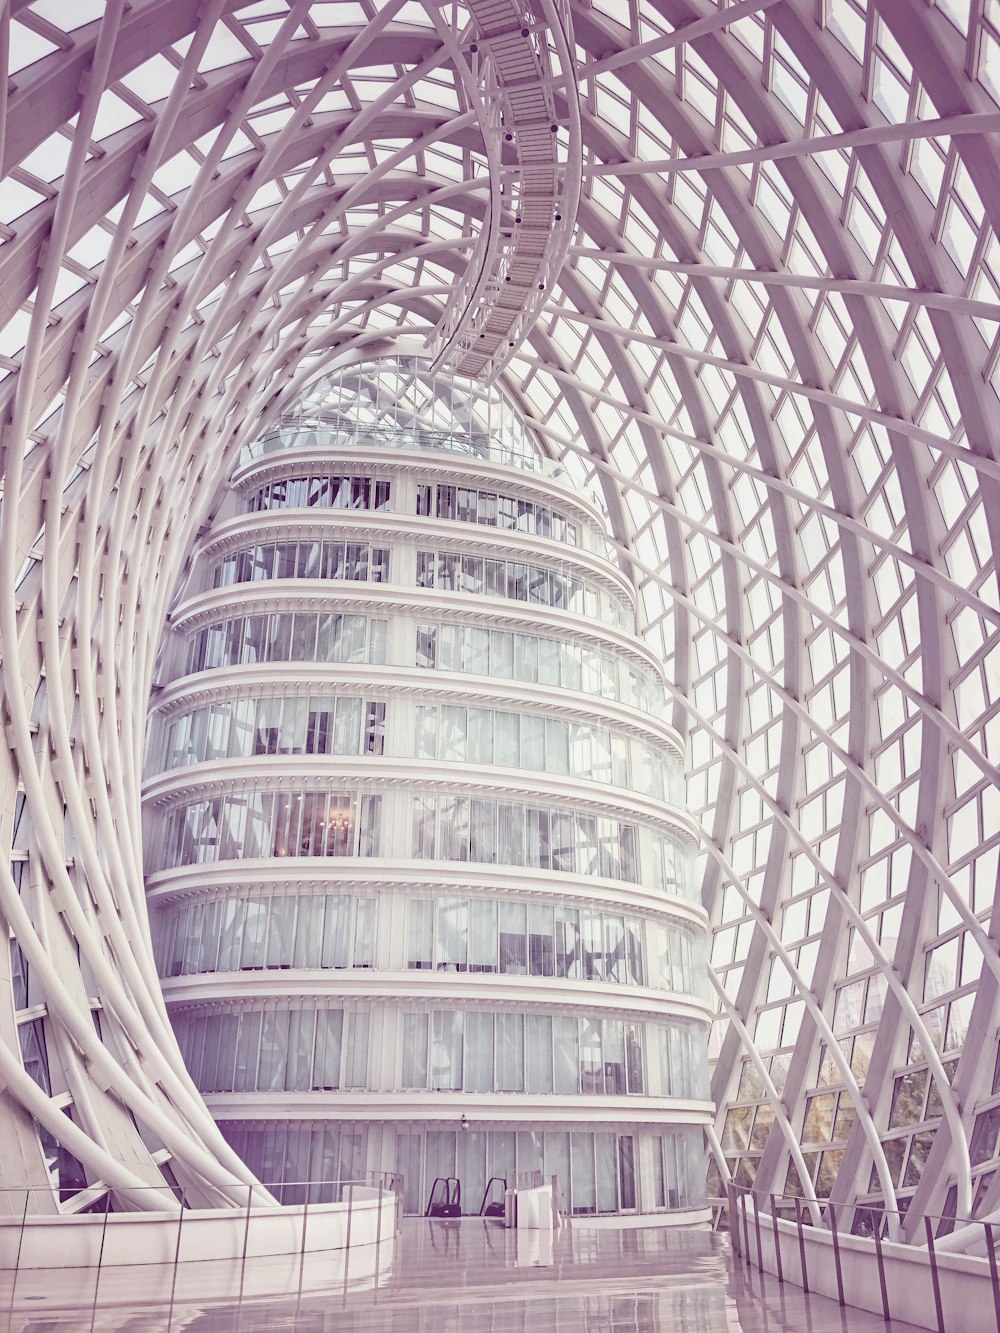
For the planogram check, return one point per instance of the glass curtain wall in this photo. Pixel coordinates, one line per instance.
(410, 739)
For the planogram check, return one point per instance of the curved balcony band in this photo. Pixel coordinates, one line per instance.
(261, 681)
(386, 879)
(312, 1044)
(506, 510)
(547, 648)
(322, 722)
(517, 568)
(461, 531)
(424, 478)
(480, 425)
(482, 936)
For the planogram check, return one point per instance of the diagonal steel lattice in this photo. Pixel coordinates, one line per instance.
(769, 332)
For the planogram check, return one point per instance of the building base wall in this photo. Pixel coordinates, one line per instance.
(608, 1169)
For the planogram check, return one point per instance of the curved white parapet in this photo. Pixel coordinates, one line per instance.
(199, 1235)
(900, 1282)
(57, 1264)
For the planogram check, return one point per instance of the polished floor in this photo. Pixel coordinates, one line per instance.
(473, 1277)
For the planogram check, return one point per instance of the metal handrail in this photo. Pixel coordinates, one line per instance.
(84, 1198)
(785, 1204)
(529, 1180)
(745, 1223)
(487, 448)
(452, 1201)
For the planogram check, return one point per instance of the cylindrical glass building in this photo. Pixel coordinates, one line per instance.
(419, 867)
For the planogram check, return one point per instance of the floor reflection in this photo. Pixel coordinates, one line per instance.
(471, 1276)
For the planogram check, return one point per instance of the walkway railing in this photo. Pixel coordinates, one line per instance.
(314, 1215)
(775, 1233)
(489, 448)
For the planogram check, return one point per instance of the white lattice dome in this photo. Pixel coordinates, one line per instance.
(756, 273)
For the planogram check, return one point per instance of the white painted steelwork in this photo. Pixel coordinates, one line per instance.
(773, 344)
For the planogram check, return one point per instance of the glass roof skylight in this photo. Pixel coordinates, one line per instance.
(775, 347)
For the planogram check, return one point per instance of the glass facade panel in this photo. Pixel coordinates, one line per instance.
(303, 559)
(292, 724)
(267, 637)
(252, 822)
(321, 492)
(507, 655)
(547, 838)
(543, 744)
(243, 1049)
(276, 929)
(250, 1046)
(522, 582)
(496, 935)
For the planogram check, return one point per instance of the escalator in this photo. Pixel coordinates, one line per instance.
(492, 1206)
(445, 1198)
